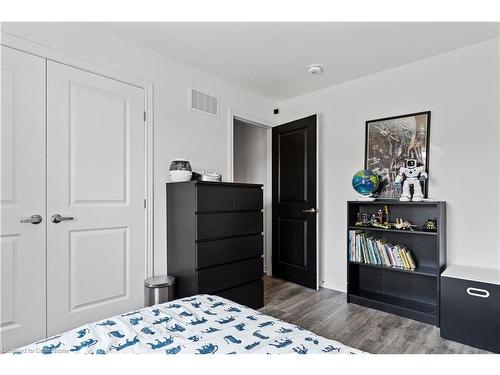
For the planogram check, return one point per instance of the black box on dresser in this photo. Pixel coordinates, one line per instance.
(214, 240)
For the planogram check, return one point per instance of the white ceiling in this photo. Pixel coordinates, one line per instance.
(270, 58)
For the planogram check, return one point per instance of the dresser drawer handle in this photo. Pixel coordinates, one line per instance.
(478, 292)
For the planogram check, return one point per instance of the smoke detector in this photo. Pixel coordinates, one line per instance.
(315, 69)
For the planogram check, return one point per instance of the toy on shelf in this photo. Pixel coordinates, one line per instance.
(379, 225)
(380, 219)
(430, 225)
(403, 224)
(362, 220)
(365, 183)
(377, 219)
(411, 175)
(386, 212)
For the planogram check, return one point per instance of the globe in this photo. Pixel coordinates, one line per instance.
(365, 182)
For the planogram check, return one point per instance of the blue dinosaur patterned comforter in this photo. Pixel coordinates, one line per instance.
(202, 324)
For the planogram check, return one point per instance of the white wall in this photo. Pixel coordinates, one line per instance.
(461, 88)
(178, 132)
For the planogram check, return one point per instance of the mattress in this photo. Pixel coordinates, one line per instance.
(202, 324)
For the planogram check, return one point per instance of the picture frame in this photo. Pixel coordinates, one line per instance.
(390, 141)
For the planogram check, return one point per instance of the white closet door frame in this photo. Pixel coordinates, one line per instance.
(40, 50)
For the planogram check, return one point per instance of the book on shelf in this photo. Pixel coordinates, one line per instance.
(364, 248)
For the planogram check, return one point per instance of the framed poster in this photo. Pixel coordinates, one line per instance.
(390, 141)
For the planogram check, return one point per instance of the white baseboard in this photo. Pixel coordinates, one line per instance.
(334, 285)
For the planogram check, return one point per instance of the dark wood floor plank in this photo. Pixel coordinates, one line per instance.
(326, 313)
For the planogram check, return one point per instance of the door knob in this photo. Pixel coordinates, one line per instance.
(34, 219)
(310, 211)
(58, 218)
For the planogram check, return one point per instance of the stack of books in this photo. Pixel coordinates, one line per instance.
(364, 248)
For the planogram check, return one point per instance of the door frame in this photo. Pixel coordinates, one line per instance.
(56, 55)
(267, 125)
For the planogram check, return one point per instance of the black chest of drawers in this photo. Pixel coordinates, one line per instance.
(214, 240)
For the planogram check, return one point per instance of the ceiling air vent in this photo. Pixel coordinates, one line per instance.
(203, 102)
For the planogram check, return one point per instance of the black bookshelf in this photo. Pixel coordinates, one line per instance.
(412, 294)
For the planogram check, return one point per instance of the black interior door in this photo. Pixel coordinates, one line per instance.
(294, 251)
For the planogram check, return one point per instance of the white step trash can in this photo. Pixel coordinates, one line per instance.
(159, 289)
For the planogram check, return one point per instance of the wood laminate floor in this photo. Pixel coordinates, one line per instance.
(326, 313)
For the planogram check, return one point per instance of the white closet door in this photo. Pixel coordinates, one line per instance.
(22, 194)
(96, 176)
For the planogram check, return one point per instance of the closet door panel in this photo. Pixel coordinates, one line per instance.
(96, 176)
(22, 194)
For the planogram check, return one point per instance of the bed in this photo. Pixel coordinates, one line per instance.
(202, 324)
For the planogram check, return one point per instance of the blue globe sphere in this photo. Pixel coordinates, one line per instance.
(365, 182)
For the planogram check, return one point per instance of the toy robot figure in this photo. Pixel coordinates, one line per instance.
(412, 176)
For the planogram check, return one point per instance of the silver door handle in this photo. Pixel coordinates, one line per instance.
(483, 293)
(311, 211)
(34, 219)
(58, 218)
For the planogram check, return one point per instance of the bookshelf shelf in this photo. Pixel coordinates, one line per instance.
(421, 311)
(375, 229)
(424, 271)
(411, 294)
